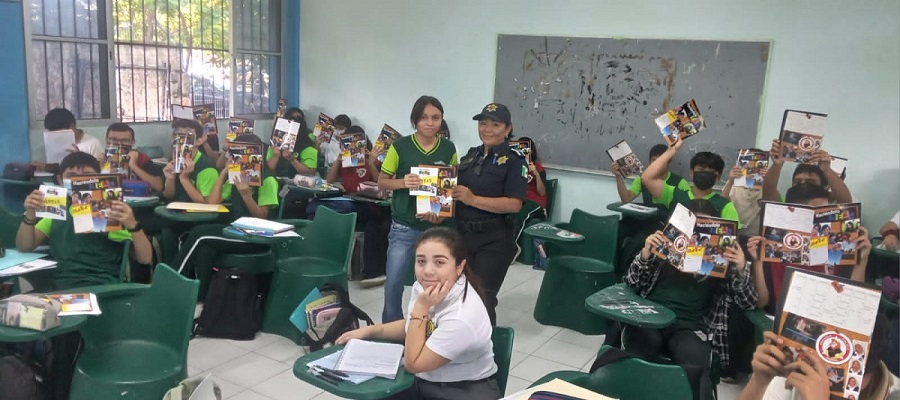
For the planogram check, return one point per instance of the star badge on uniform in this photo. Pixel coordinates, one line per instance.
(491, 107)
(502, 160)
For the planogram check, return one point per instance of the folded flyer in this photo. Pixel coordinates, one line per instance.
(245, 160)
(284, 134)
(385, 139)
(238, 127)
(325, 126)
(697, 243)
(182, 146)
(752, 163)
(77, 303)
(680, 122)
(92, 197)
(353, 150)
(524, 146)
(629, 164)
(798, 234)
(801, 135)
(54, 206)
(116, 160)
(435, 192)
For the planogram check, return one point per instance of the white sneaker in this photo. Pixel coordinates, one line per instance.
(372, 282)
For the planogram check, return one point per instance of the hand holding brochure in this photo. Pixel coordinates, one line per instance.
(523, 146)
(245, 161)
(680, 122)
(370, 358)
(435, 192)
(54, 206)
(284, 134)
(324, 126)
(353, 150)
(801, 135)
(696, 243)
(116, 160)
(92, 197)
(385, 139)
(182, 147)
(753, 164)
(629, 164)
(798, 234)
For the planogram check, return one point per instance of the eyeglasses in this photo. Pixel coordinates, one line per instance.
(119, 142)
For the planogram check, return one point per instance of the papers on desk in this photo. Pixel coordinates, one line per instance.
(637, 208)
(262, 227)
(370, 358)
(15, 263)
(77, 304)
(557, 386)
(331, 360)
(140, 198)
(197, 207)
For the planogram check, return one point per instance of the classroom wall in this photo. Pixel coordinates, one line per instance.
(13, 91)
(371, 60)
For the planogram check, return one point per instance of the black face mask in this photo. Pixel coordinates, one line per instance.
(704, 180)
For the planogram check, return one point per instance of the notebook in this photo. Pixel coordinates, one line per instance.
(370, 358)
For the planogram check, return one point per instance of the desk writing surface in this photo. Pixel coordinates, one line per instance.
(14, 258)
(376, 388)
(620, 303)
(623, 208)
(547, 231)
(180, 216)
(68, 324)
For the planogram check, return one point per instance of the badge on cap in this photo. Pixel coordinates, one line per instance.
(502, 160)
(490, 107)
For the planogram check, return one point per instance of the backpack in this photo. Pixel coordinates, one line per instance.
(347, 319)
(19, 381)
(233, 306)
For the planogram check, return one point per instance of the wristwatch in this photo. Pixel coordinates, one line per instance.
(137, 227)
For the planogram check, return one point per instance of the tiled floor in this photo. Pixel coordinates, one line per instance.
(261, 369)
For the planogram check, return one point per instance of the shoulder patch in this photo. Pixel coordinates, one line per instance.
(517, 151)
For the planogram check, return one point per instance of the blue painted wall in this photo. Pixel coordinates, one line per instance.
(291, 71)
(13, 85)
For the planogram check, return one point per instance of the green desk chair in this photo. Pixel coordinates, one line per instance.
(621, 380)
(9, 226)
(502, 337)
(525, 241)
(576, 271)
(137, 349)
(320, 257)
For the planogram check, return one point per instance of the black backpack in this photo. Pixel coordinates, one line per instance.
(19, 381)
(233, 307)
(347, 319)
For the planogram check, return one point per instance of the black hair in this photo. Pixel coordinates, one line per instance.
(359, 129)
(303, 141)
(120, 127)
(78, 159)
(658, 150)
(59, 119)
(453, 240)
(703, 207)
(805, 192)
(343, 120)
(811, 169)
(444, 126)
(419, 109)
(708, 159)
(190, 124)
(534, 155)
(250, 138)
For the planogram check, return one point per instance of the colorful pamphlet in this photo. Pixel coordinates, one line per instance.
(182, 146)
(238, 127)
(696, 243)
(834, 318)
(801, 135)
(116, 160)
(523, 146)
(54, 206)
(245, 161)
(753, 163)
(284, 134)
(680, 122)
(797, 234)
(92, 197)
(353, 150)
(385, 139)
(205, 114)
(435, 193)
(325, 126)
(77, 304)
(629, 164)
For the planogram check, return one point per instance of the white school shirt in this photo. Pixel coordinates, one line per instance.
(462, 334)
(90, 145)
(331, 150)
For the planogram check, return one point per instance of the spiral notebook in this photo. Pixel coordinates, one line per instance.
(370, 358)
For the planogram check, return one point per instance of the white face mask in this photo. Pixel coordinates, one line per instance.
(67, 183)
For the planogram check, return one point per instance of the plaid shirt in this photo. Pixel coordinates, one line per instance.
(737, 289)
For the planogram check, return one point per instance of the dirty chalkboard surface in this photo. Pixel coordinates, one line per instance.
(576, 97)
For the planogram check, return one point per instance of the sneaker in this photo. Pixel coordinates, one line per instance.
(372, 282)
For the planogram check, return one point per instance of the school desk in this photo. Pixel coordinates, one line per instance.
(142, 202)
(620, 303)
(623, 208)
(550, 232)
(69, 323)
(375, 388)
(178, 221)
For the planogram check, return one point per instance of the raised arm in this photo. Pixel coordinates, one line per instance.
(28, 237)
(654, 175)
(839, 189)
(770, 181)
(625, 194)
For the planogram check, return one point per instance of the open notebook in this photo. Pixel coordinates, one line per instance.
(370, 358)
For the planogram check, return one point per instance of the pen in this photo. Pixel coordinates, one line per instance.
(332, 371)
(324, 377)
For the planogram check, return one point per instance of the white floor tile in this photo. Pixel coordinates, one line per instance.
(517, 357)
(261, 340)
(228, 389)
(730, 391)
(206, 354)
(286, 386)
(249, 395)
(514, 385)
(282, 350)
(527, 342)
(249, 370)
(528, 324)
(534, 368)
(565, 353)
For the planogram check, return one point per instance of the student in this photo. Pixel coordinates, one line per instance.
(775, 377)
(140, 166)
(537, 177)
(890, 231)
(819, 173)
(627, 194)
(491, 187)
(303, 159)
(810, 194)
(331, 149)
(197, 257)
(83, 259)
(424, 147)
(447, 332)
(745, 201)
(706, 168)
(60, 119)
(376, 221)
(700, 303)
(198, 172)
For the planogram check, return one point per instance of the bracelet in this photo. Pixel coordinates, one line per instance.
(137, 228)
(895, 232)
(423, 318)
(29, 222)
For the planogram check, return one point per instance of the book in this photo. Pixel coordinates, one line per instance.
(353, 150)
(92, 197)
(680, 122)
(58, 144)
(54, 206)
(196, 207)
(629, 164)
(697, 243)
(238, 127)
(284, 134)
(436, 189)
(556, 387)
(77, 303)
(752, 162)
(245, 160)
(182, 146)
(116, 160)
(205, 114)
(15, 263)
(523, 146)
(261, 225)
(282, 107)
(385, 139)
(370, 358)
(839, 165)
(798, 234)
(833, 318)
(801, 135)
(324, 126)
(331, 360)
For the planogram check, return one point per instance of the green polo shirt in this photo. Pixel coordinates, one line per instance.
(404, 154)
(637, 188)
(265, 195)
(672, 194)
(203, 177)
(308, 157)
(686, 296)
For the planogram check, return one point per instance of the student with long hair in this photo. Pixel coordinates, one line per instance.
(447, 332)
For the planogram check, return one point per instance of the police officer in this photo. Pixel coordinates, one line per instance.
(491, 187)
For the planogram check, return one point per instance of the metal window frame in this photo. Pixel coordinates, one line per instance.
(35, 121)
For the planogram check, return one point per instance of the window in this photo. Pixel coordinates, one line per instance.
(137, 58)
